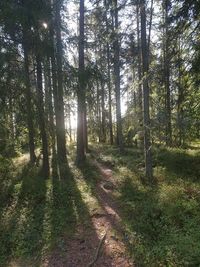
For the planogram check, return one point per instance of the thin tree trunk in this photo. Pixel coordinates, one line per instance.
(40, 105)
(70, 124)
(49, 104)
(146, 119)
(139, 67)
(180, 98)
(167, 76)
(150, 26)
(103, 116)
(106, 4)
(28, 100)
(98, 112)
(85, 130)
(117, 78)
(109, 96)
(60, 120)
(54, 87)
(80, 158)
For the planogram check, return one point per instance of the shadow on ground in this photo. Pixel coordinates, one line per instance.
(22, 218)
(162, 221)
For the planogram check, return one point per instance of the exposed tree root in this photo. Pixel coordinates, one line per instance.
(98, 250)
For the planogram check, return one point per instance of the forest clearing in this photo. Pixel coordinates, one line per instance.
(99, 133)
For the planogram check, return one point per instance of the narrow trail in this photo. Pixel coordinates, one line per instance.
(101, 245)
(110, 219)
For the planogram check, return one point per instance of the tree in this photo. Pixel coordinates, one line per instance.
(146, 116)
(28, 97)
(106, 5)
(166, 73)
(117, 76)
(80, 157)
(42, 124)
(60, 122)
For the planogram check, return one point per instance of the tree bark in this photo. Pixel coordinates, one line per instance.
(106, 4)
(28, 99)
(103, 116)
(139, 67)
(98, 113)
(146, 116)
(40, 104)
(180, 98)
(60, 120)
(167, 76)
(117, 77)
(109, 97)
(80, 157)
(49, 105)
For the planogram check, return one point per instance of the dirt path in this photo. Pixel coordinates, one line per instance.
(105, 236)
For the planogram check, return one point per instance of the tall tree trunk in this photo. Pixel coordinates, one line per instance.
(49, 105)
(106, 4)
(80, 158)
(109, 96)
(98, 112)
(117, 77)
(60, 120)
(103, 116)
(146, 119)
(139, 67)
(40, 104)
(70, 123)
(180, 98)
(55, 99)
(12, 120)
(150, 26)
(28, 100)
(167, 75)
(85, 130)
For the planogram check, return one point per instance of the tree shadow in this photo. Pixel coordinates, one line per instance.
(23, 222)
(9, 188)
(160, 222)
(108, 204)
(47, 221)
(73, 237)
(163, 225)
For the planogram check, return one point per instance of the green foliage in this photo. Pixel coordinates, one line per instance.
(162, 221)
(36, 215)
(6, 169)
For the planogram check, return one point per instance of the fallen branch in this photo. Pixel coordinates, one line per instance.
(98, 250)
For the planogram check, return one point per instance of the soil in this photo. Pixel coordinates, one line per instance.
(106, 224)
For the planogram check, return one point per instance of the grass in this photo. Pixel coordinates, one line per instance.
(162, 221)
(38, 215)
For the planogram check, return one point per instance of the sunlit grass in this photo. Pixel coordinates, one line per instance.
(161, 221)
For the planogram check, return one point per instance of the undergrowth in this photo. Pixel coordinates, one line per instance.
(162, 220)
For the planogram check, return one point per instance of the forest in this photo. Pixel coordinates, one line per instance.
(99, 133)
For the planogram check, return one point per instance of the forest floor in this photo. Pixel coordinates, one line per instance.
(104, 211)
(99, 242)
